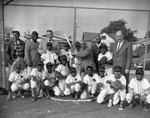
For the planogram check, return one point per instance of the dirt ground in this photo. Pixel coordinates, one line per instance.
(43, 108)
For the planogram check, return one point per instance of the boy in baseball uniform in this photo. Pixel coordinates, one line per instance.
(36, 81)
(50, 81)
(74, 84)
(119, 93)
(139, 89)
(49, 56)
(91, 80)
(106, 90)
(62, 71)
(17, 82)
(105, 59)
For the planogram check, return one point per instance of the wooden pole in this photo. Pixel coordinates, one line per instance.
(2, 49)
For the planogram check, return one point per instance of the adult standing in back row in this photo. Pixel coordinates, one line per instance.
(49, 38)
(122, 54)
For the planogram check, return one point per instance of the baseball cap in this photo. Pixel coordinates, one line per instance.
(63, 57)
(40, 64)
(139, 71)
(117, 68)
(18, 66)
(101, 69)
(72, 69)
(49, 44)
(103, 46)
(49, 64)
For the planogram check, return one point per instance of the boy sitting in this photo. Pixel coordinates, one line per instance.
(36, 81)
(74, 84)
(17, 83)
(139, 90)
(50, 81)
(92, 81)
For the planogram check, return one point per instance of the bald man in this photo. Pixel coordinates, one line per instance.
(122, 54)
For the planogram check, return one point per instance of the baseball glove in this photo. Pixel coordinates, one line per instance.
(116, 85)
(103, 60)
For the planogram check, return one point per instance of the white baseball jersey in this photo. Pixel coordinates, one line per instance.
(71, 79)
(122, 79)
(108, 55)
(36, 73)
(139, 87)
(88, 80)
(64, 70)
(16, 78)
(67, 53)
(49, 56)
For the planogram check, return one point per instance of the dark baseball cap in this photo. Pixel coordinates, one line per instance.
(117, 68)
(73, 69)
(18, 66)
(49, 64)
(139, 71)
(63, 57)
(101, 69)
(40, 64)
(49, 44)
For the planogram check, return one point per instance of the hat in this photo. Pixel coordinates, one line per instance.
(63, 57)
(73, 69)
(18, 66)
(103, 46)
(139, 71)
(101, 69)
(49, 64)
(117, 68)
(49, 44)
(40, 64)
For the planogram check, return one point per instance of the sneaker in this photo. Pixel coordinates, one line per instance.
(121, 107)
(22, 96)
(131, 105)
(145, 109)
(48, 97)
(92, 99)
(110, 103)
(14, 96)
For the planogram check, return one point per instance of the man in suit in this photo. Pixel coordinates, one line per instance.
(96, 51)
(86, 56)
(122, 54)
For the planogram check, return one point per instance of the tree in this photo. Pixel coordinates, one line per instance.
(114, 26)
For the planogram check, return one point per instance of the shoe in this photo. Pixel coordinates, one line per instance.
(33, 99)
(14, 96)
(110, 103)
(92, 99)
(131, 105)
(145, 109)
(22, 96)
(48, 97)
(121, 107)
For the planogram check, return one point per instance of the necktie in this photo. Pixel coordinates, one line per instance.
(118, 46)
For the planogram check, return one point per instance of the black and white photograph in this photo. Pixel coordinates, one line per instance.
(74, 58)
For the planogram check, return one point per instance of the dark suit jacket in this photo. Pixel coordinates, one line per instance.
(123, 58)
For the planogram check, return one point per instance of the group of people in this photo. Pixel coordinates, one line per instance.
(92, 71)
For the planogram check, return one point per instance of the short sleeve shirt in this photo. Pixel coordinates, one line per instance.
(139, 86)
(64, 70)
(36, 73)
(16, 78)
(88, 80)
(71, 79)
(108, 55)
(122, 79)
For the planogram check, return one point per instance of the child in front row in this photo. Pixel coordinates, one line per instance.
(50, 81)
(139, 90)
(74, 84)
(36, 81)
(17, 83)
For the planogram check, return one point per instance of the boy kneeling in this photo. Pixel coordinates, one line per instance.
(50, 81)
(74, 84)
(17, 83)
(139, 90)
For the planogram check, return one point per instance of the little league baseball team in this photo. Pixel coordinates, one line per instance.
(46, 80)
